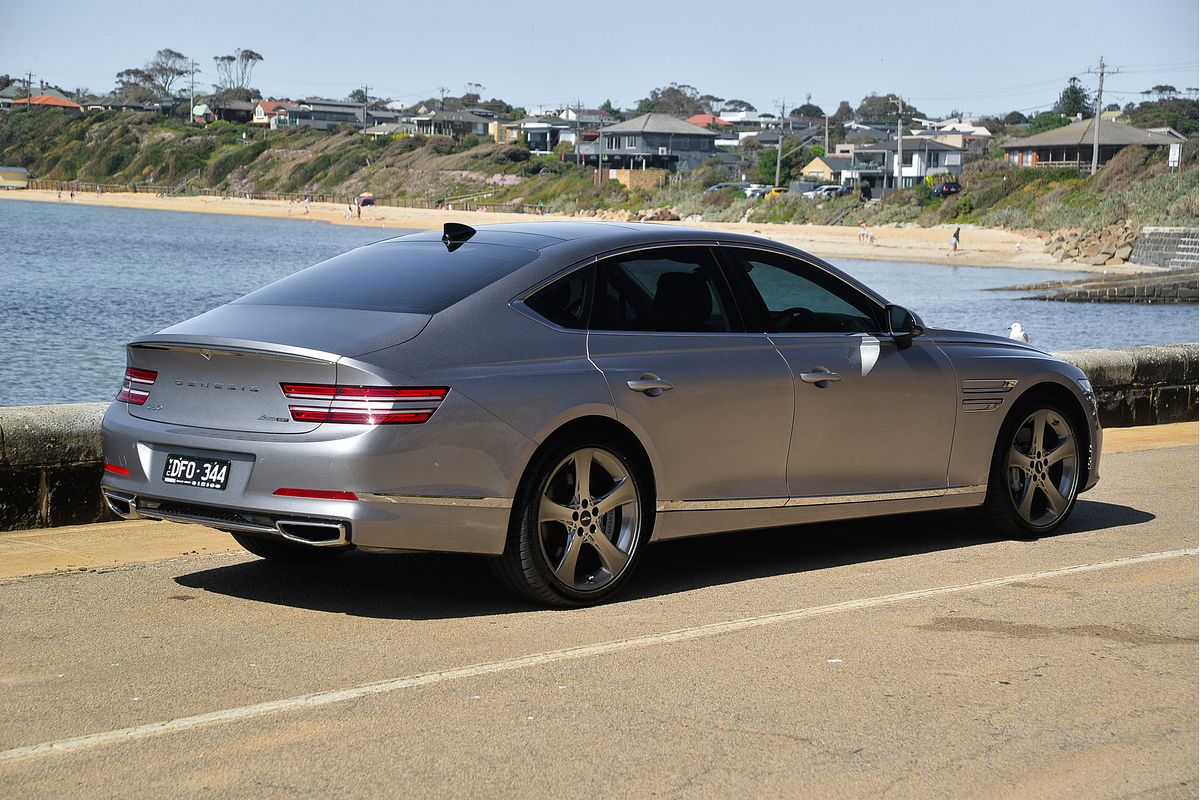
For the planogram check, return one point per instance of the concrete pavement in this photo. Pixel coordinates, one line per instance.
(902, 657)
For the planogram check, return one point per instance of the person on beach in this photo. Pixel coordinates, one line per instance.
(306, 200)
(862, 231)
(358, 208)
(60, 196)
(349, 212)
(73, 195)
(954, 241)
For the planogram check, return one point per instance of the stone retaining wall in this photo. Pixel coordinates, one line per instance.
(50, 459)
(1167, 247)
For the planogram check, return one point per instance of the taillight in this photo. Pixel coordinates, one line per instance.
(316, 494)
(363, 405)
(136, 387)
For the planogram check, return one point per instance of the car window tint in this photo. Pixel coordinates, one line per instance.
(664, 289)
(411, 277)
(564, 301)
(800, 298)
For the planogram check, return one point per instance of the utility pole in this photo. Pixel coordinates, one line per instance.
(826, 134)
(899, 103)
(1098, 110)
(29, 91)
(192, 94)
(779, 147)
(366, 101)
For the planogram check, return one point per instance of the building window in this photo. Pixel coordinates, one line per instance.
(630, 142)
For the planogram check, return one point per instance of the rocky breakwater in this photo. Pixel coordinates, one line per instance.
(1174, 286)
(1110, 246)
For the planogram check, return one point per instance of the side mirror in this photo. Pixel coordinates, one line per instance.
(903, 325)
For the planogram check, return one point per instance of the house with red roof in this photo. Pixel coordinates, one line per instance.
(267, 110)
(47, 100)
(709, 121)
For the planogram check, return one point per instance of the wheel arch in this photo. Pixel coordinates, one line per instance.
(604, 428)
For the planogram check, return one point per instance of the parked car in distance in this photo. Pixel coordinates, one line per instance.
(756, 190)
(776, 191)
(946, 188)
(716, 187)
(828, 190)
(556, 396)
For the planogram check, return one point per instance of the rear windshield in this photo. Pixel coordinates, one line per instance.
(409, 277)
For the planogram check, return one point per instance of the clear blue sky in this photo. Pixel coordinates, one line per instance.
(975, 57)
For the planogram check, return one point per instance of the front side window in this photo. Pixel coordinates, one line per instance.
(674, 289)
(798, 297)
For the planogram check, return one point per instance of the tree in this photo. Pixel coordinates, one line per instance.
(738, 105)
(1047, 121)
(1163, 91)
(359, 96)
(1113, 107)
(807, 110)
(607, 108)
(1075, 99)
(135, 86)
(882, 109)
(5, 81)
(1173, 112)
(235, 71)
(1015, 118)
(844, 113)
(166, 67)
(712, 104)
(678, 99)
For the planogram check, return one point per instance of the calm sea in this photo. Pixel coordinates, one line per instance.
(77, 282)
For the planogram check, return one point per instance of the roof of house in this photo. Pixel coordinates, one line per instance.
(440, 115)
(1080, 133)
(274, 106)
(658, 123)
(704, 120)
(47, 100)
(835, 163)
(13, 90)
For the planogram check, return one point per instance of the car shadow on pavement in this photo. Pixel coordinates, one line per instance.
(446, 586)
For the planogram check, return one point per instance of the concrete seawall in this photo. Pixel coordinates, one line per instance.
(50, 458)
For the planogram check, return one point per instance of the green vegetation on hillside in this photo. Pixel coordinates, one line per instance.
(125, 148)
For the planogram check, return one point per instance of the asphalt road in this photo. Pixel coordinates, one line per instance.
(902, 657)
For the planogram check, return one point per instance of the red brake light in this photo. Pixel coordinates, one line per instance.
(316, 494)
(116, 470)
(136, 387)
(363, 405)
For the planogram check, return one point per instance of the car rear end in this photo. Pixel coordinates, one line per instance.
(281, 420)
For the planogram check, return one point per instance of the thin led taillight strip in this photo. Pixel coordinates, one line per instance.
(363, 405)
(136, 387)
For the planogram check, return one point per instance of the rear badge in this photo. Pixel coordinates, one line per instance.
(266, 418)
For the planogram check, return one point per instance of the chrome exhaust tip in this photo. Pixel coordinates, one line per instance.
(122, 504)
(310, 532)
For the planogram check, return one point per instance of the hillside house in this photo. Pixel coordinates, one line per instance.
(875, 165)
(455, 124)
(651, 140)
(267, 111)
(1071, 145)
(826, 169)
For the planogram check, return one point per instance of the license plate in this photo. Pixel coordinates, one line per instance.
(204, 473)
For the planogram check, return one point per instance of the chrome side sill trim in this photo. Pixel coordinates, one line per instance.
(437, 500)
(824, 500)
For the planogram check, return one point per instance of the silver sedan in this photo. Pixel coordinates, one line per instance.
(559, 395)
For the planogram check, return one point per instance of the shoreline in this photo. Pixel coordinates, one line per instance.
(981, 247)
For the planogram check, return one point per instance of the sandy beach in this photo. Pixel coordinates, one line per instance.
(980, 247)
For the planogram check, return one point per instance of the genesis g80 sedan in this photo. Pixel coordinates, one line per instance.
(559, 395)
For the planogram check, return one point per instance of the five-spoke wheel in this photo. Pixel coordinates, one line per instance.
(582, 522)
(1035, 472)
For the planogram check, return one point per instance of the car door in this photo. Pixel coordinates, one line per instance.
(872, 415)
(712, 402)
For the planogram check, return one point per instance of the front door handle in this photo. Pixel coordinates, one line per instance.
(820, 376)
(649, 384)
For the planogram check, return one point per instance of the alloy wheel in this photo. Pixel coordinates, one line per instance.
(589, 520)
(1043, 468)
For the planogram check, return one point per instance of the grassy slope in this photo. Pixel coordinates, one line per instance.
(125, 148)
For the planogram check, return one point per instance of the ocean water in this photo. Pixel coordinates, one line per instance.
(77, 282)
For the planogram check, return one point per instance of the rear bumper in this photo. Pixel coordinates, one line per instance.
(442, 486)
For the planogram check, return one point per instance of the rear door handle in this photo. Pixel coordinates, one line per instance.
(649, 384)
(820, 376)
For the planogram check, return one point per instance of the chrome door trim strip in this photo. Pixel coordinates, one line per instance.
(821, 500)
(436, 500)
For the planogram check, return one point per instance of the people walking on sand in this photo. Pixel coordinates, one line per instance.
(954, 241)
(60, 195)
(358, 208)
(306, 201)
(862, 231)
(73, 195)
(349, 212)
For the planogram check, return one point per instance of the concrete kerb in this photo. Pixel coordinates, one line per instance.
(51, 461)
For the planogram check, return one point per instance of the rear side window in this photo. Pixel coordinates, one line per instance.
(409, 277)
(665, 289)
(564, 302)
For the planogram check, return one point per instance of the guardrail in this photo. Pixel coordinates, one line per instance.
(50, 456)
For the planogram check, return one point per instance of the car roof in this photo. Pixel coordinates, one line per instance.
(598, 235)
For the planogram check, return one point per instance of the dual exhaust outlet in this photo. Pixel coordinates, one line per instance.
(316, 533)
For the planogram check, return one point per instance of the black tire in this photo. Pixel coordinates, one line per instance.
(1039, 480)
(525, 566)
(286, 552)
